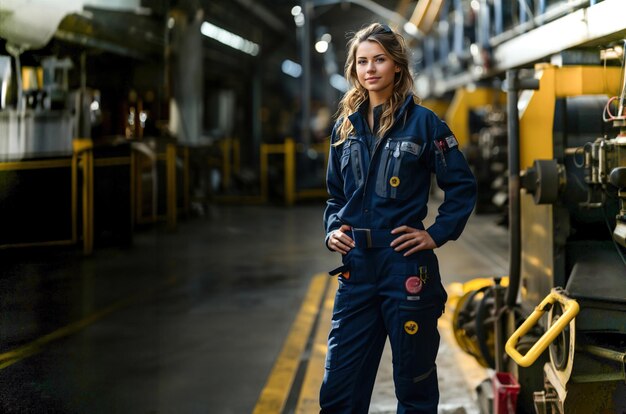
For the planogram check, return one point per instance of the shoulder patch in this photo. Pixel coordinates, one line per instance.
(445, 144)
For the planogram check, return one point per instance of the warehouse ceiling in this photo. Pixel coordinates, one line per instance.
(271, 24)
(141, 33)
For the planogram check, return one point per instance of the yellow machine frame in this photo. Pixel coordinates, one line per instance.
(465, 99)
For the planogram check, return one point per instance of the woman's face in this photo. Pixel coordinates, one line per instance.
(375, 69)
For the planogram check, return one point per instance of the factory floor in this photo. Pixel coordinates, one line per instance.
(201, 320)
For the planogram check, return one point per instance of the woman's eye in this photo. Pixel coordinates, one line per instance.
(360, 62)
(380, 60)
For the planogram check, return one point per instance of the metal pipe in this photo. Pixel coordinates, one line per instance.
(498, 342)
(605, 353)
(305, 132)
(620, 110)
(514, 189)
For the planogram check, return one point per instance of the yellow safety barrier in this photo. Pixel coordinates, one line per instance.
(571, 309)
(288, 149)
(171, 213)
(186, 180)
(230, 161)
(46, 164)
(171, 187)
(83, 150)
(230, 149)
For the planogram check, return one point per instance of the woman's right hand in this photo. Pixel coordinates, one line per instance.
(339, 241)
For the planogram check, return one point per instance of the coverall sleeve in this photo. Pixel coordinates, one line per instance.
(334, 186)
(456, 180)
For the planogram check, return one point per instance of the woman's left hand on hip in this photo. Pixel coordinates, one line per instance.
(412, 239)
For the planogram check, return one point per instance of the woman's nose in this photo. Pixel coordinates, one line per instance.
(371, 67)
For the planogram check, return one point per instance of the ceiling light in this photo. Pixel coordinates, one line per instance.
(339, 82)
(291, 68)
(410, 28)
(299, 19)
(229, 39)
(321, 46)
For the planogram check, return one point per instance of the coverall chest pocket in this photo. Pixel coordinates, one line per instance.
(399, 163)
(352, 167)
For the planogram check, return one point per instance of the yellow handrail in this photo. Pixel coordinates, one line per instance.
(571, 309)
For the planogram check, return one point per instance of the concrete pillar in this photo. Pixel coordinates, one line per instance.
(186, 101)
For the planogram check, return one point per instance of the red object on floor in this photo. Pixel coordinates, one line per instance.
(505, 392)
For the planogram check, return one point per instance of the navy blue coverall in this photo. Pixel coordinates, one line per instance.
(376, 185)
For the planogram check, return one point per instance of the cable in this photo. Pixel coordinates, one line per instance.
(607, 110)
(608, 225)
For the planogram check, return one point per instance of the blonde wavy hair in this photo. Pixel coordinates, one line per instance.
(395, 47)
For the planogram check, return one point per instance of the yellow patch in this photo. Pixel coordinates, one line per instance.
(394, 181)
(410, 327)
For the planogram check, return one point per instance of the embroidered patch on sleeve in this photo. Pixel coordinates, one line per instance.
(447, 143)
(451, 141)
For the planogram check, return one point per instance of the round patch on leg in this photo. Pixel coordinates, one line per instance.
(413, 284)
(410, 327)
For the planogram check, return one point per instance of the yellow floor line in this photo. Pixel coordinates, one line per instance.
(276, 391)
(308, 401)
(15, 355)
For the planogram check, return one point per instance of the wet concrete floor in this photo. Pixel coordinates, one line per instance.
(184, 322)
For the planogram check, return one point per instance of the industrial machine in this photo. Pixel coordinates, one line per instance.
(554, 329)
(571, 245)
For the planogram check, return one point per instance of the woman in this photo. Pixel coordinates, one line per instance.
(385, 148)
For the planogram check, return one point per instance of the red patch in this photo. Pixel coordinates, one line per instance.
(413, 284)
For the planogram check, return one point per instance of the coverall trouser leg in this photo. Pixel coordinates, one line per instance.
(373, 304)
(356, 343)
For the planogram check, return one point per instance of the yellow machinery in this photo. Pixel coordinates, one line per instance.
(556, 333)
(570, 239)
(567, 243)
(477, 117)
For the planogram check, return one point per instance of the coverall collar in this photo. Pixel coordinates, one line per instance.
(359, 118)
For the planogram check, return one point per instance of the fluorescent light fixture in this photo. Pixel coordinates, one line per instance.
(338, 82)
(296, 10)
(321, 46)
(291, 68)
(229, 39)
